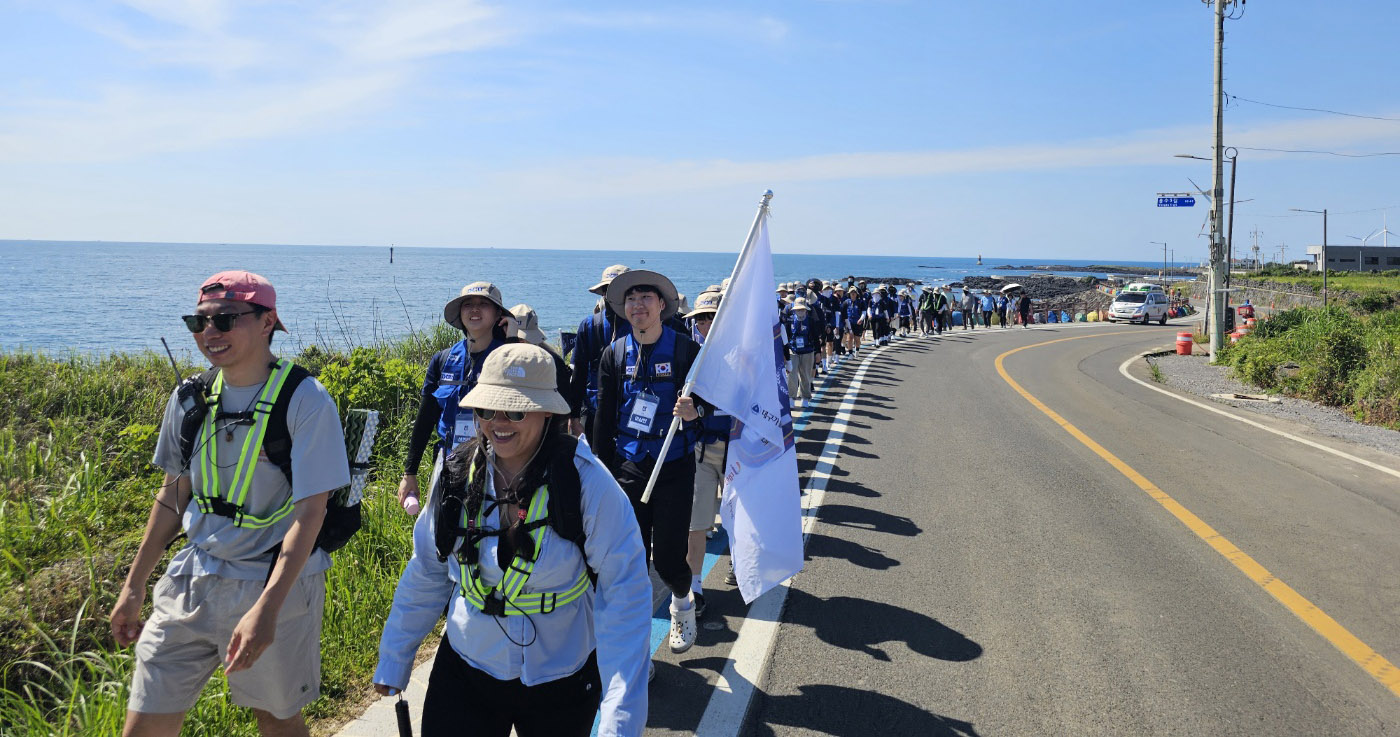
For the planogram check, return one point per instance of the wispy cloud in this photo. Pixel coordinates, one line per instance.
(611, 177)
(267, 74)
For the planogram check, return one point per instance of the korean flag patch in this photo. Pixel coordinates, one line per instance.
(663, 369)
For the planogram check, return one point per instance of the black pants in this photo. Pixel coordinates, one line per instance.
(462, 700)
(665, 520)
(880, 326)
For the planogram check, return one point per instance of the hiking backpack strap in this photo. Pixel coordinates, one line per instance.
(277, 443)
(566, 498)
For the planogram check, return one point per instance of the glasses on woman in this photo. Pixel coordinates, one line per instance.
(223, 322)
(490, 414)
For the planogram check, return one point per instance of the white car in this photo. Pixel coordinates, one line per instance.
(1140, 303)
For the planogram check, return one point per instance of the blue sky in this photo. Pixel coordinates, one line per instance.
(1017, 129)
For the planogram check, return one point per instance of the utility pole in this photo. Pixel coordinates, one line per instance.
(1219, 270)
(1323, 213)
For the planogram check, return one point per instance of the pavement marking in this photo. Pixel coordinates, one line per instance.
(749, 655)
(1362, 654)
(1123, 369)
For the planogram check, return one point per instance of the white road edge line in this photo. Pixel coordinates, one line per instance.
(1123, 369)
(748, 657)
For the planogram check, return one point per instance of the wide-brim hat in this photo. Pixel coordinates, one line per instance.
(706, 304)
(452, 311)
(517, 377)
(525, 324)
(617, 290)
(609, 274)
(799, 304)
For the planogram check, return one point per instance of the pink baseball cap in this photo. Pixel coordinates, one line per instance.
(241, 286)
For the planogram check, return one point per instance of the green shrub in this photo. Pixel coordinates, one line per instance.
(76, 437)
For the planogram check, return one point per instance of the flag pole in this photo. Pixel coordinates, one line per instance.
(699, 358)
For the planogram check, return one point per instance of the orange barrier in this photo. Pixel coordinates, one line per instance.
(1184, 343)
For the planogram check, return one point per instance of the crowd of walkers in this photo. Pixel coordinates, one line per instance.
(535, 534)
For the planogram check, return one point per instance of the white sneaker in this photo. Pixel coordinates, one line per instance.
(682, 628)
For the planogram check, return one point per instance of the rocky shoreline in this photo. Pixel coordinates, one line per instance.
(1097, 269)
(1047, 292)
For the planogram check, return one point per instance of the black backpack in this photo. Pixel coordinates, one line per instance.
(342, 521)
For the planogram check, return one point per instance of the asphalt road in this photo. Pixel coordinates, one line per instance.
(977, 570)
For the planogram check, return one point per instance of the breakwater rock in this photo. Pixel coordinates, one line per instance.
(873, 280)
(1098, 269)
(1047, 292)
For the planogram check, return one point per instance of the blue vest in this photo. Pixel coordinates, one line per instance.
(592, 348)
(853, 309)
(458, 376)
(906, 308)
(802, 339)
(657, 377)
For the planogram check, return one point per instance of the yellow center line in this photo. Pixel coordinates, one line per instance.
(1362, 654)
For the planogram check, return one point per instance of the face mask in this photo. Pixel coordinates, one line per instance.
(826, 293)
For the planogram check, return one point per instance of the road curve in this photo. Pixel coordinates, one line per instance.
(977, 570)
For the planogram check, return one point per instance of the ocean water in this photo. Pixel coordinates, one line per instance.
(104, 297)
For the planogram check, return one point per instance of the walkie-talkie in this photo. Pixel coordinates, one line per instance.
(401, 711)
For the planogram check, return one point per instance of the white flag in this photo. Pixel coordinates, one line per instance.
(742, 374)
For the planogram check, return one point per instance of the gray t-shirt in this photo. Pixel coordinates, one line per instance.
(218, 547)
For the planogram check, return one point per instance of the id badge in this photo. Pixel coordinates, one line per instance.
(799, 342)
(643, 413)
(465, 427)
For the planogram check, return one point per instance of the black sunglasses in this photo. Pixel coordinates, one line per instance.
(490, 414)
(223, 322)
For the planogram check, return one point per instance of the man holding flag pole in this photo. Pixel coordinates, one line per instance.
(740, 371)
(639, 392)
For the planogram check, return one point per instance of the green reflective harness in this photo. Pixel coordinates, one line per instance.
(230, 504)
(508, 597)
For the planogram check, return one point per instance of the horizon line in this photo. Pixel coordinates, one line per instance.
(1091, 262)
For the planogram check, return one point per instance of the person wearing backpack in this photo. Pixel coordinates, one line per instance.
(481, 316)
(595, 333)
(250, 572)
(531, 547)
(639, 382)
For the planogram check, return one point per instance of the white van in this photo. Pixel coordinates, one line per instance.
(1140, 302)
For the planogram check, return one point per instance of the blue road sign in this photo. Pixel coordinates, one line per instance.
(1176, 201)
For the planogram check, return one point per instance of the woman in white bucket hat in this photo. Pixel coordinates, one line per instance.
(540, 615)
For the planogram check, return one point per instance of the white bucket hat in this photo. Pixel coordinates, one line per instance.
(706, 304)
(525, 324)
(517, 377)
(452, 311)
(609, 274)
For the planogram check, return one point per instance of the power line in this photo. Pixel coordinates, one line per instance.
(1328, 153)
(1312, 109)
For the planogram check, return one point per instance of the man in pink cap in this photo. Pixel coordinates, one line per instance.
(250, 450)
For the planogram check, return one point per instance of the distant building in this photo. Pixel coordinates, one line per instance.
(1355, 258)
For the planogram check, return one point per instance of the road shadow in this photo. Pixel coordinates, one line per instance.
(861, 625)
(868, 414)
(861, 518)
(825, 546)
(849, 712)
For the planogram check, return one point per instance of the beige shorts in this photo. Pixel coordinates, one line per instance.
(187, 636)
(709, 477)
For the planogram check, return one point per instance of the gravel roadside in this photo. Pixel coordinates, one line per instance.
(1194, 375)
